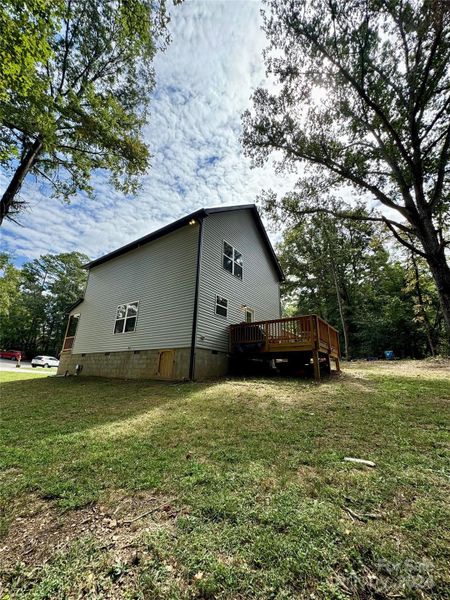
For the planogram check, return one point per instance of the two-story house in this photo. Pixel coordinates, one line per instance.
(161, 306)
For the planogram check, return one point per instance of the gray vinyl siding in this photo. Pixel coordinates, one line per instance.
(161, 276)
(259, 288)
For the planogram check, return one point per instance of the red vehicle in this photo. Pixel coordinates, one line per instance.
(11, 354)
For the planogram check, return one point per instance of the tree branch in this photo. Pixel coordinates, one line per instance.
(361, 92)
(441, 171)
(355, 217)
(402, 241)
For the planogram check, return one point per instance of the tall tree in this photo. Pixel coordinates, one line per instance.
(342, 270)
(91, 103)
(39, 295)
(426, 305)
(363, 99)
(9, 284)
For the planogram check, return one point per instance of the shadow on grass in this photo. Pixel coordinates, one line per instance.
(69, 439)
(263, 481)
(37, 408)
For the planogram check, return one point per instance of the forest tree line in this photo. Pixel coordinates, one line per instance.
(34, 300)
(350, 272)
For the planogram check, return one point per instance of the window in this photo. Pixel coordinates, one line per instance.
(221, 306)
(126, 317)
(72, 326)
(232, 260)
(249, 315)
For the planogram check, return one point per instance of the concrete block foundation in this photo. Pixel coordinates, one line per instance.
(145, 364)
(210, 364)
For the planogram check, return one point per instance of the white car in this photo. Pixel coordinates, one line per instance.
(44, 361)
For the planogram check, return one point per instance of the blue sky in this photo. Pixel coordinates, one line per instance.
(204, 82)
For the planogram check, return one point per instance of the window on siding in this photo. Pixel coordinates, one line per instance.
(249, 315)
(72, 326)
(221, 306)
(126, 317)
(232, 260)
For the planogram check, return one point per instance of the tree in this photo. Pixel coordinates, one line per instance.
(26, 28)
(9, 284)
(91, 104)
(427, 311)
(363, 100)
(40, 294)
(341, 270)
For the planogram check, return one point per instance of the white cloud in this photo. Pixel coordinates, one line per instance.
(204, 82)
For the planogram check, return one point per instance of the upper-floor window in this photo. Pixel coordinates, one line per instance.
(126, 317)
(232, 260)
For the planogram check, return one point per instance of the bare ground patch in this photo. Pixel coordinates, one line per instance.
(40, 531)
(422, 369)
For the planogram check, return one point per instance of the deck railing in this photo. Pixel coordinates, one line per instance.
(294, 333)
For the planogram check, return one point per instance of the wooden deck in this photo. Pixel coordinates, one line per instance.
(280, 337)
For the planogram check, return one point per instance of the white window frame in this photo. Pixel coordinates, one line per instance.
(252, 313)
(233, 261)
(218, 304)
(126, 304)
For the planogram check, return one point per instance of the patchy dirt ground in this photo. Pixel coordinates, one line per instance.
(408, 368)
(40, 530)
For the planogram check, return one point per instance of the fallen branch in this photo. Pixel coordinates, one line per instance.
(148, 512)
(354, 515)
(360, 461)
(363, 518)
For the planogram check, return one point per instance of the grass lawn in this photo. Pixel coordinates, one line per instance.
(231, 489)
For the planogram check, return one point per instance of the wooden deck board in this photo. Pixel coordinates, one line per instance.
(305, 333)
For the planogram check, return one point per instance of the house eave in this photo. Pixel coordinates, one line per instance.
(196, 215)
(74, 305)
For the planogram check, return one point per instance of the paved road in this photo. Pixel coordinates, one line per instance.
(25, 365)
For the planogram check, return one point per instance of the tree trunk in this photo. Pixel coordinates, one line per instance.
(423, 312)
(341, 310)
(441, 273)
(437, 261)
(7, 200)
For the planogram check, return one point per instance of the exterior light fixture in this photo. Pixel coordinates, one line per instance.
(192, 222)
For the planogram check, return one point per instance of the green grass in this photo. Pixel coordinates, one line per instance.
(254, 477)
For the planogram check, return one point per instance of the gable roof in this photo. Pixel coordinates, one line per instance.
(197, 215)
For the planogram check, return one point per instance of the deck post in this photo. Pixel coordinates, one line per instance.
(65, 334)
(338, 366)
(315, 351)
(316, 365)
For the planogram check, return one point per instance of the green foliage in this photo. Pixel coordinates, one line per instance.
(9, 285)
(343, 271)
(427, 311)
(24, 43)
(362, 99)
(35, 301)
(91, 101)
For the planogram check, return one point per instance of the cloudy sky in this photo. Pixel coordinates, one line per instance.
(204, 81)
